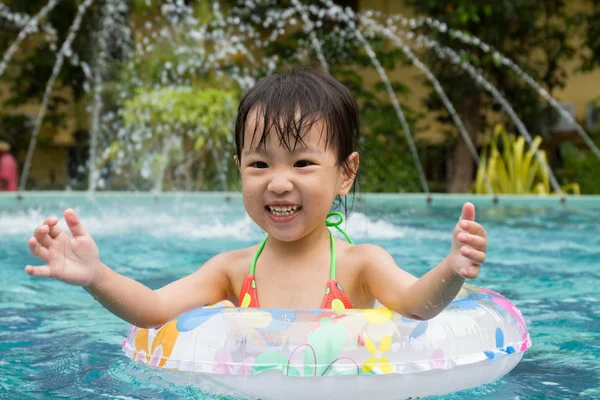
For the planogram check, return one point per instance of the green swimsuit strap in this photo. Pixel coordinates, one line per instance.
(260, 249)
(335, 224)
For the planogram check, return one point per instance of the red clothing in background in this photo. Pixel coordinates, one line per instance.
(9, 172)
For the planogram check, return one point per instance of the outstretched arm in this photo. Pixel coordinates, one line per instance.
(74, 259)
(147, 308)
(427, 296)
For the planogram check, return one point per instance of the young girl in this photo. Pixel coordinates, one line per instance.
(296, 136)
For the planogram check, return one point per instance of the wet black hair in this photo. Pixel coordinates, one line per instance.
(291, 102)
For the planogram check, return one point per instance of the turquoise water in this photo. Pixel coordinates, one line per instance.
(57, 342)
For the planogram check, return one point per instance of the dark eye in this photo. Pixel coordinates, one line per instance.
(302, 164)
(259, 164)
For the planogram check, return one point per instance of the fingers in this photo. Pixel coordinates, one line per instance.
(475, 241)
(74, 224)
(473, 228)
(37, 250)
(42, 238)
(41, 234)
(42, 271)
(51, 221)
(471, 272)
(55, 231)
(476, 256)
(468, 212)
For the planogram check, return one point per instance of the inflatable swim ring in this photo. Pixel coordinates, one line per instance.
(349, 354)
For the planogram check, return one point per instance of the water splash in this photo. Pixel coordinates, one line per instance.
(111, 21)
(466, 38)
(65, 49)
(348, 17)
(308, 27)
(439, 90)
(20, 20)
(29, 28)
(452, 56)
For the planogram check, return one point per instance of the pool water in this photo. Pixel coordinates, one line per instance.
(56, 341)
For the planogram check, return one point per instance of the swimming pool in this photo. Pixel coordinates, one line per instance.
(56, 341)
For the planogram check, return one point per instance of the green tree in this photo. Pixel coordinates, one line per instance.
(170, 131)
(28, 73)
(580, 165)
(538, 35)
(590, 20)
(386, 161)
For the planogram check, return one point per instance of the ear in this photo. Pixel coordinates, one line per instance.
(237, 162)
(348, 177)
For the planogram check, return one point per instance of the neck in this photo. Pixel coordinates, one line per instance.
(315, 242)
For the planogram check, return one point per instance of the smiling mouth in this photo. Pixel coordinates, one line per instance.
(283, 211)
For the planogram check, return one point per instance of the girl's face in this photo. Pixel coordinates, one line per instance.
(289, 193)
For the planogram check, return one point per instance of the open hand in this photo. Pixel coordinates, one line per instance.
(71, 259)
(469, 244)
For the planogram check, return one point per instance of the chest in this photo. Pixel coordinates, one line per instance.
(294, 289)
(301, 285)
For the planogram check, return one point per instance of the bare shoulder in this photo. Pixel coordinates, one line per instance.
(235, 265)
(234, 259)
(360, 265)
(218, 279)
(371, 255)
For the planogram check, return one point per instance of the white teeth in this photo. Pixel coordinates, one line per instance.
(284, 211)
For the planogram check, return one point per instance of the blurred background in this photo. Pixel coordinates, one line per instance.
(456, 96)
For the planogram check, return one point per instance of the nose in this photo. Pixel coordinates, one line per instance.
(280, 183)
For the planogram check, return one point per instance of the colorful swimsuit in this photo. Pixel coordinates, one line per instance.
(335, 298)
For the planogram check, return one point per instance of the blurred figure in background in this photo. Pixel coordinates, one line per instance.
(9, 170)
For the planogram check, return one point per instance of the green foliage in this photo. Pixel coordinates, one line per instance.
(199, 113)
(580, 165)
(27, 74)
(31, 69)
(511, 169)
(590, 20)
(176, 129)
(182, 118)
(16, 130)
(538, 35)
(386, 162)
